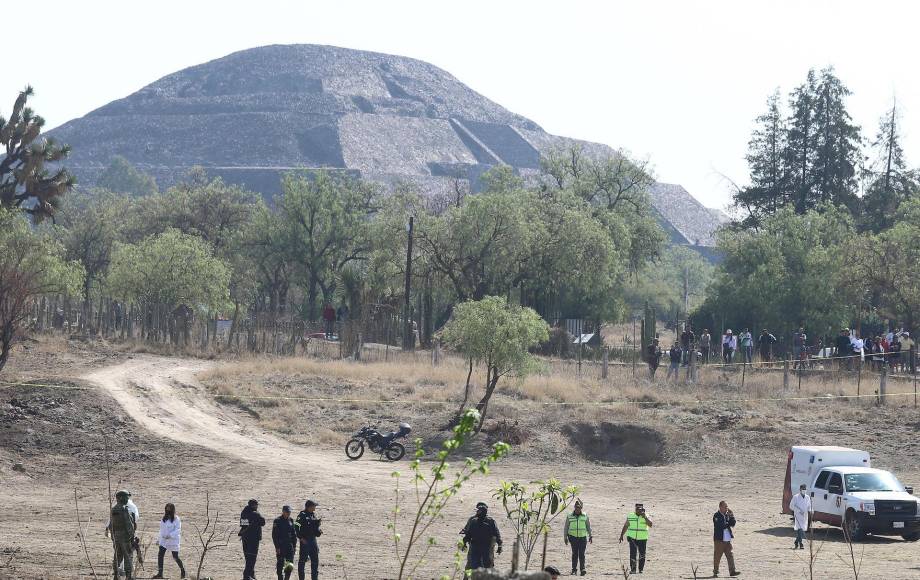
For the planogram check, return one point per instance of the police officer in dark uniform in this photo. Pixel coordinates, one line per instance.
(251, 523)
(307, 526)
(284, 537)
(479, 533)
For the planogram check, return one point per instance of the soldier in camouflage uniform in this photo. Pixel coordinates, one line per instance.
(123, 530)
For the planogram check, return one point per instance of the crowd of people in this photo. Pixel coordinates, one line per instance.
(894, 350)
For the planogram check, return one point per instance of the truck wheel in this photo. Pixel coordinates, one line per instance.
(854, 528)
(912, 537)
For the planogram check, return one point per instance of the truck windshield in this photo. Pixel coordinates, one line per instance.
(872, 482)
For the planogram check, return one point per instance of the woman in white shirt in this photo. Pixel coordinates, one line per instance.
(170, 538)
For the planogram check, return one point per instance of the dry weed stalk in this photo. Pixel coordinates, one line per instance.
(854, 564)
(80, 533)
(694, 571)
(212, 536)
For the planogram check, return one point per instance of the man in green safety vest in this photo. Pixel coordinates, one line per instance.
(636, 531)
(577, 533)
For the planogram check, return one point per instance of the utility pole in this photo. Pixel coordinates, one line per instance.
(408, 339)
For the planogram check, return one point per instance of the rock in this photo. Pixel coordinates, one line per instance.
(496, 575)
(19, 467)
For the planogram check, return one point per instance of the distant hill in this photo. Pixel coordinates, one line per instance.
(255, 113)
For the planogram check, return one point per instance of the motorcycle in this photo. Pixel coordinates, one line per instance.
(382, 444)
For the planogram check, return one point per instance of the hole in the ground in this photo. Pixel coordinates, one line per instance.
(621, 444)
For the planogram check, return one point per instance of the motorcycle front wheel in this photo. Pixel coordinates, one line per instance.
(395, 451)
(354, 449)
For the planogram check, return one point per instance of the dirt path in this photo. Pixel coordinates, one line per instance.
(164, 397)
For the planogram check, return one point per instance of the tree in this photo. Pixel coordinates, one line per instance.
(498, 335)
(790, 272)
(532, 511)
(170, 269)
(890, 181)
(801, 142)
(325, 217)
(769, 186)
(837, 144)
(32, 265)
(122, 177)
(25, 183)
(887, 262)
(92, 223)
(662, 284)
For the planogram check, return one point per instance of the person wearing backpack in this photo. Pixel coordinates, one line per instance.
(123, 527)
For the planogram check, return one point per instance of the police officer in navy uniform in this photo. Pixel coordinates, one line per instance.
(307, 526)
(284, 538)
(251, 523)
(478, 535)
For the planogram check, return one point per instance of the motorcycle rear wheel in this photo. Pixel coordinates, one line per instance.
(395, 451)
(354, 449)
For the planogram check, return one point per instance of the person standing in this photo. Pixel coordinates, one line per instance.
(636, 531)
(766, 342)
(675, 357)
(843, 349)
(251, 523)
(705, 345)
(170, 538)
(123, 527)
(329, 320)
(478, 534)
(800, 506)
(653, 358)
(307, 528)
(722, 523)
(577, 533)
(136, 514)
(687, 338)
(747, 346)
(907, 347)
(729, 345)
(284, 537)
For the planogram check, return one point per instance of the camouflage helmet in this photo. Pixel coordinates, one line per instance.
(122, 493)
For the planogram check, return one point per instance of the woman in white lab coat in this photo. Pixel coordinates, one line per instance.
(170, 538)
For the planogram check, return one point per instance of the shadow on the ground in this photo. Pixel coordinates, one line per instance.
(833, 535)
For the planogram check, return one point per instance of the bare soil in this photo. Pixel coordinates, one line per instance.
(174, 440)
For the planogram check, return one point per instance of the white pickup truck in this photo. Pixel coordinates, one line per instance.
(846, 491)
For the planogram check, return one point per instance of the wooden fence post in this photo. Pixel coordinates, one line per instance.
(605, 362)
(883, 385)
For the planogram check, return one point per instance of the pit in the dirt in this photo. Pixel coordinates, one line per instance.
(622, 444)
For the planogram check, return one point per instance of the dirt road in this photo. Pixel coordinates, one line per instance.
(222, 453)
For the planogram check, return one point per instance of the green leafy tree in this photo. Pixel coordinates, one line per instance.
(788, 273)
(531, 511)
(32, 265)
(662, 284)
(25, 183)
(326, 217)
(838, 142)
(170, 269)
(497, 335)
(801, 142)
(887, 263)
(433, 491)
(122, 177)
(92, 223)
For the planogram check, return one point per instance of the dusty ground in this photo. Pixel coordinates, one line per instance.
(175, 442)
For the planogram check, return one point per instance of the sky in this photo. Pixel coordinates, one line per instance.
(676, 82)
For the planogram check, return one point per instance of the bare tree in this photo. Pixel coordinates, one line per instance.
(212, 535)
(80, 533)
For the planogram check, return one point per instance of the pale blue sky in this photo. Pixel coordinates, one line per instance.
(679, 82)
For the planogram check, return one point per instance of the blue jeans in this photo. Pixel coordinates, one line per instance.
(800, 537)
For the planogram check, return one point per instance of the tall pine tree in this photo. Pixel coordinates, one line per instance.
(801, 141)
(837, 145)
(769, 189)
(889, 182)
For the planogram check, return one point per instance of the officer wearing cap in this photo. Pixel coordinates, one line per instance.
(123, 527)
(251, 523)
(307, 527)
(478, 535)
(636, 531)
(284, 537)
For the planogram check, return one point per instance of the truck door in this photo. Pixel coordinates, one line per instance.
(835, 504)
(822, 501)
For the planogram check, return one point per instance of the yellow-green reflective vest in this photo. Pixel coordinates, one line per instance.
(638, 528)
(577, 526)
